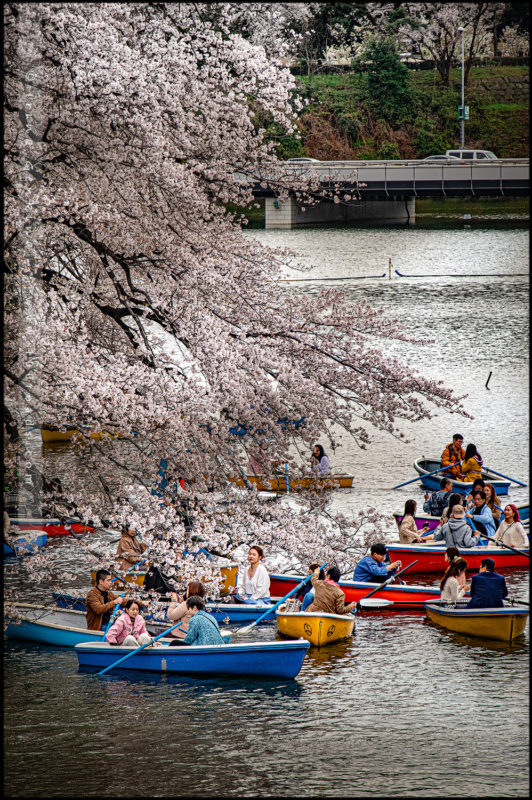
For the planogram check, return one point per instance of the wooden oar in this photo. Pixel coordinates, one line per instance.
(138, 649)
(419, 477)
(519, 483)
(386, 582)
(247, 628)
(521, 552)
(113, 615)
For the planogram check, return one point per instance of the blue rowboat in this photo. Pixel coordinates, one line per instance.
(254, 659)
(25, 543)
(60, 627)
(233, 613)
(425, 465)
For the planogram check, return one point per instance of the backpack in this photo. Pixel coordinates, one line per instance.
(438, 502)
(155, 581)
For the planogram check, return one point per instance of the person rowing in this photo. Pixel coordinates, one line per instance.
(372, 569)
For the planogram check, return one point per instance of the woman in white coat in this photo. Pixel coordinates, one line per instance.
(253, 585)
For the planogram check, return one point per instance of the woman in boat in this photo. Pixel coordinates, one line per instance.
(253, 585)
(129, 629)
(511, 531)
(454, 500)
(179, 611)
(472, 464)
(492, 501)
(478, 484)
(408, 531)
(320, 464)
(130, 549)
(453, 585)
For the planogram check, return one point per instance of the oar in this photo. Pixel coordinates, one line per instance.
(113, 615)
(519, 483)
(286, 474)
(419, 477)
(386, 582)
(116, 578)
(497, 541)
(247, 628)
(138, 649)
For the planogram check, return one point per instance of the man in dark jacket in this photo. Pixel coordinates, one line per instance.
(438, 501)
(488, 588)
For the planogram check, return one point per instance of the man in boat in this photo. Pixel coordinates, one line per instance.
(129, 549)
(481, 515)
(456, 532)
(437, 502)
(372, 569)
(488, 588)
(101, 601)
(328, 597)
(454, 452)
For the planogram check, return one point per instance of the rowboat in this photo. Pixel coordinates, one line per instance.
(403, 596)
(424, 466)
(233, 613)
(431, 557)
(25, 543)
(51, 433)
(280, 484)
(318, 628)
(433, 522)
(503, 624)
(53, 527)
(229, 574)
(247, 659)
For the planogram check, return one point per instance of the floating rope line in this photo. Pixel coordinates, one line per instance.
(468, 275)
(347, 278)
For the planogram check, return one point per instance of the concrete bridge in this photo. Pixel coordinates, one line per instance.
(386, 191)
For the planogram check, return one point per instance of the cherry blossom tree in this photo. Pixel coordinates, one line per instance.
(134, 304)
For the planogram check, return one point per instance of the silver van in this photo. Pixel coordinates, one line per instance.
(471, 154)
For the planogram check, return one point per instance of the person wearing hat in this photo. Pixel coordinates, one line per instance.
(488, 588)
(371, 568)
(456, 532)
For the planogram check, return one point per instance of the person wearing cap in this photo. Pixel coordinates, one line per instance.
(511, 531)
(456, 532)
(371, 568)
(488, 588)
(481, 515)
(454, 452)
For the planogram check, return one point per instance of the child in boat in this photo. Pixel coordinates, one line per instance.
(202, 628)
(129, 629)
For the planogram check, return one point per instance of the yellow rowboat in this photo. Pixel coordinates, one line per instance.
(278, 483)
(318, 628)
(50, 433)
(503, 624)
(229, 574)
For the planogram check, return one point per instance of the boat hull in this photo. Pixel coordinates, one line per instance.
(26, 543)
(255, 659)
(278, 484)
(53, 527)
(408, 596)
(51, 434)
(229, 575)
(431, 558)
(432, 482)
(318, 629)
(503, 624)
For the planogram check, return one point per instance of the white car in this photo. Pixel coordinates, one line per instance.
(475, 155)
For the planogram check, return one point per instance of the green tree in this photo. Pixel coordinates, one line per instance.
(385, 82)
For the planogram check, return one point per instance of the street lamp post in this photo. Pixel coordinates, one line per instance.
(462, 107)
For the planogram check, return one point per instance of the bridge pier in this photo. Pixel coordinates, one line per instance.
(288, 214)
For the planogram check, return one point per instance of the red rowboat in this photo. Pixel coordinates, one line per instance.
(431, 557)
(402, 595)
(53, 527)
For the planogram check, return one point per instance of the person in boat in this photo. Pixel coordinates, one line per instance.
(372, 569)
(453, 454)
(456, 532)
(100, 601)
(202, 628)
(179, 611)
(253, 585)
(492, 501)
(408, 531)
(307, 591)
(472, 464)
(488, 588)
(481, 515)
(320, 464)
(130, 549)
(453, 585)
(455, 499)
(436, 502)
(328, 597)
(478, 485)
(129, 629)
(511, 531)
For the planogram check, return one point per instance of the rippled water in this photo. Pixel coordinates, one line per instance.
(403, 709)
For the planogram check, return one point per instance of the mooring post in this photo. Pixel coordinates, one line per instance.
(489, 376)
(389, 269)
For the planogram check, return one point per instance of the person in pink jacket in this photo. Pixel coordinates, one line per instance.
(129, 629)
